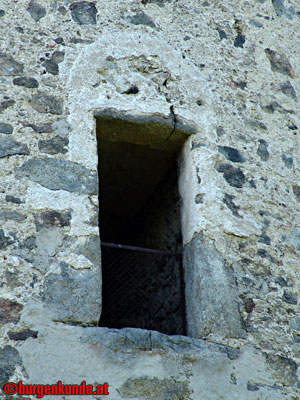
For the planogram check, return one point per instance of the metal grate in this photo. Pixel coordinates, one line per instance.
(142, 288)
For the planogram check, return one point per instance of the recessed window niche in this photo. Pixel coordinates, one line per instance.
(139, 209)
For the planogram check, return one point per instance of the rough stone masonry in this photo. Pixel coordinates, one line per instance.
(227, 72)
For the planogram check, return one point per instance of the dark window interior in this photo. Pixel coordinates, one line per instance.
(140, 206)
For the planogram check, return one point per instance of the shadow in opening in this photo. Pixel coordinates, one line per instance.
(140, 207)
(143, 289)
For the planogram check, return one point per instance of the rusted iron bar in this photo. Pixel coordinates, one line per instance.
(134, 248)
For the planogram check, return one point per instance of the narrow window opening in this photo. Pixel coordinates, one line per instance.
(139, 209)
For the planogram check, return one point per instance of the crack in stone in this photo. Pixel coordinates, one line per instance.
(174, 121)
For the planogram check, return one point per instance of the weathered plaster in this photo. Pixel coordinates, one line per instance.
(103, 355)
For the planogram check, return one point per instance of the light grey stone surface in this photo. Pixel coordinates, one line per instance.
(9, 66)
(295, 324)
(36, 10)
(231, 154)
(83, 12)
(29, 83)
(233, 175)
(55, 145)
(5, 240)
(58, 174)
(211, 293)
(145, 364)
(12, 215)
(9, 359)
(74, 296)
(5, 128)
(45, 103)
(9, 147)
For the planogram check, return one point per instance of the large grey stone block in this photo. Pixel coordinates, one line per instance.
(210, 290)
(57, 174)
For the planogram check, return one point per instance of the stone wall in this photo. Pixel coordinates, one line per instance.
(229, 69)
